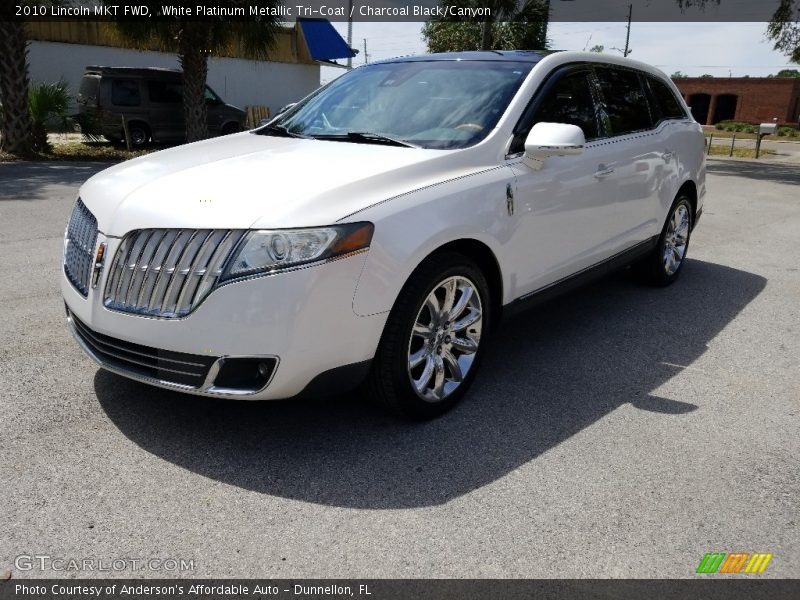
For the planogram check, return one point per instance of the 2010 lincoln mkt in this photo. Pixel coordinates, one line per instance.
(375, 232)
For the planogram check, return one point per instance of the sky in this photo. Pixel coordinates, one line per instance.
(719, 49)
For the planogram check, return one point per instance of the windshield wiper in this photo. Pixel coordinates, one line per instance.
(281, 131)
(366, 137)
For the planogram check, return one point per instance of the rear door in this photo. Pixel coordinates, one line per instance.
(124, 100)
(678, 139)
(635, 151)
(88, 93)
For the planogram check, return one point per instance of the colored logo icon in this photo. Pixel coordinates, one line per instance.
(734, 562)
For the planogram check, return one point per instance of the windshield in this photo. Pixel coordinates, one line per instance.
(430, 104)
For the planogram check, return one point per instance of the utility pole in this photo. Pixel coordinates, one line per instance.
(366, 56)
(350, 34)
(628, 35)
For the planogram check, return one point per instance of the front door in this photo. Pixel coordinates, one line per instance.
(566, 210)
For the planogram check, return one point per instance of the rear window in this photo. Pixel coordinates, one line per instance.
(88, 90)
(624, 101)
(125, 92)
(666, 104)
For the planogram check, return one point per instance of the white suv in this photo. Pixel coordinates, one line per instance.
(376, 231)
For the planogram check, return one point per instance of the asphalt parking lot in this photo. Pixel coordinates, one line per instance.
(622, 431)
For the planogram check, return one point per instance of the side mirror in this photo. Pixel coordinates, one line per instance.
(552, 139)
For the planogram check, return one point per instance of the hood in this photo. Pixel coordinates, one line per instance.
(235, 109)
(256, 181)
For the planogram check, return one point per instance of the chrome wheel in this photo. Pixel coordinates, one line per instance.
(676, 239)
(445, 338)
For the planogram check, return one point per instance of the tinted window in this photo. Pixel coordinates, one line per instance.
(570, 101)
(125, 92)
(624, 101)
(666, 104)
(88, 89)
(212, 97)
(165, 92)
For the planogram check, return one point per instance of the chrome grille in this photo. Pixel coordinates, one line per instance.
(167, 272)
(79, 247)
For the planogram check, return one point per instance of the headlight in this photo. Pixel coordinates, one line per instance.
(265, 251)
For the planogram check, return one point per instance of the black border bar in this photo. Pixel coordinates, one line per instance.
(699, 588)
(390, 10)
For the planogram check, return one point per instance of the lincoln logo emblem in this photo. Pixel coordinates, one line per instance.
(98, 264)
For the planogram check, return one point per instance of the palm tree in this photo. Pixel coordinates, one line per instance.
(194, 42)
(16, 123)
(783, 28)
(512, 25)
(513, 11)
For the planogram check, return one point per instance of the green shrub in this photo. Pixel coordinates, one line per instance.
(47, 104)
(737, 127)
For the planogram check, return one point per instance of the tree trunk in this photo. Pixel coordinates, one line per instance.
(193, 56)
(16, 121)
(486, 34)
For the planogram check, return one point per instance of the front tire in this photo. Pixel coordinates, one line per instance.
(231, 128)
(663, 265)
(433, 340)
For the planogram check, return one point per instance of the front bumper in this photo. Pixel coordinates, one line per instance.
(302, 318)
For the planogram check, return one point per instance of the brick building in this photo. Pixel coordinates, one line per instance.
(747, 99)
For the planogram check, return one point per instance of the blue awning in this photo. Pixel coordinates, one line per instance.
(324, 42)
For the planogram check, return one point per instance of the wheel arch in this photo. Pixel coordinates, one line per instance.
(690, 189)
(482, 255)
(229, 122)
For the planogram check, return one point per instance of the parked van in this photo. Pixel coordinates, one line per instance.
(151, 101)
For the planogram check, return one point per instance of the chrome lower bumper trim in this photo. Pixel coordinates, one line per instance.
(207, 389)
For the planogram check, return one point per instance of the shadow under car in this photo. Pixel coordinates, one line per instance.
(548, 374)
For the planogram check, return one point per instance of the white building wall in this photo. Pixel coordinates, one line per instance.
(239, 82)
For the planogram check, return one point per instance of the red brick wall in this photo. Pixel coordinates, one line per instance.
(759, 99)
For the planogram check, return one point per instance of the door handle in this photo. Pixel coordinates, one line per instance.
(603, 171)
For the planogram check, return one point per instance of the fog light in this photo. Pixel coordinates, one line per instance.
(245, 374)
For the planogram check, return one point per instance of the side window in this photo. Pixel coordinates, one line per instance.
(666, 104)
(624, 101)
(125, 92)
(165, 92)
(211, 97)
(568, 100)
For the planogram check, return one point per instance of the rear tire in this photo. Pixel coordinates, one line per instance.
(433, 340)
(140, 134)
(663, 265)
